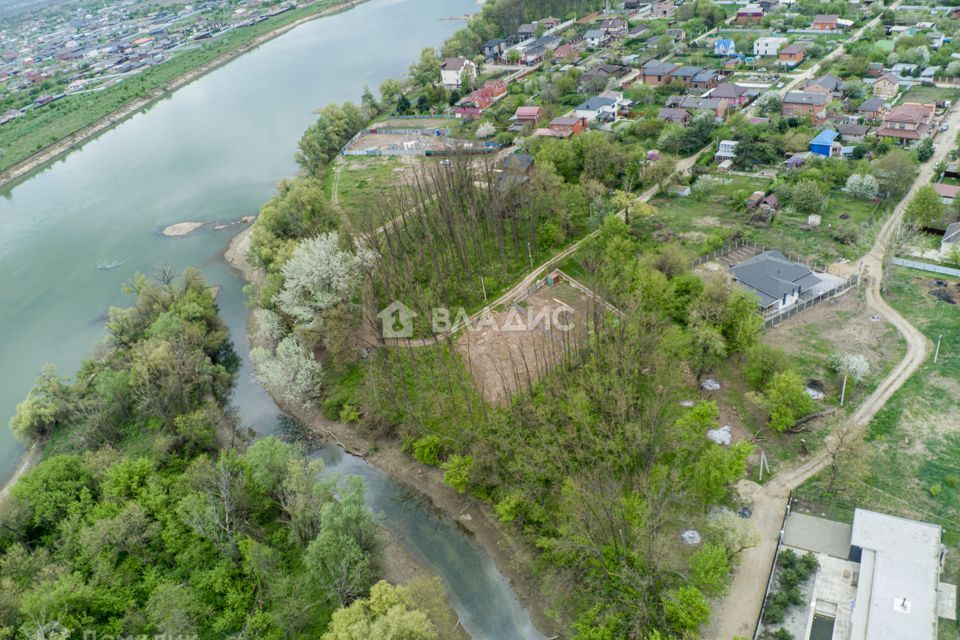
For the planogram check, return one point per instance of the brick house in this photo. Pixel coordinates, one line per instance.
(791, 55)
(908, 122)
(656, 72)
(799, 103)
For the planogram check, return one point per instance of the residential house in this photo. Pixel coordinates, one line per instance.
(872, 108)
(936, 40)
(674, 115)
(473, 105)
(493, 49)
(716, 106)
(791, 55)
(631, 6)
(454, 71)
(852, 132)
(568, 126)
(754, 199)
(726, 150)
(724, 47)
(778, 282)
(879, 578)
(615, 28)
(908, 122)
(663, 9)
(686, 73)
(527, 31)
(678, 35)
(948, 193)
(828, 83)
(799, 103)
(826, 144)
(769, 6)
(657, 72)
(904, 69)
(706, 79)
(950, 243)
(598, 109)
(875, 69)
(623, 104)
(638, 31)
(825, 23)
(735, 94)
(886, 86)
(515, 169)
(528, 116)
(549, 23)
(566, 52)
(749, 14)
(768, 46)
(601, 74)
(595, 37)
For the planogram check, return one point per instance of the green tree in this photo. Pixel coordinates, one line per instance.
(45, 408)
(685, 609)
(925, 209)
(786, 400)
(742, 323)
(707, 348)
(895, 171)
(388, 614)
(427, 69)
(710, 569)
(924, 150)
(762, 363)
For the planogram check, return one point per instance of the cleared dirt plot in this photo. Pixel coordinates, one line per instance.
(412, 143)
(512, 348)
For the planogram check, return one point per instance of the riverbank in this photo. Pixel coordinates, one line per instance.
(63, 146)
(512, 557)
(29, 459)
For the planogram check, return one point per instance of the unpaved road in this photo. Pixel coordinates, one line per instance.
(738, 612)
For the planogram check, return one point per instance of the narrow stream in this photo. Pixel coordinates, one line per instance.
(73, 234)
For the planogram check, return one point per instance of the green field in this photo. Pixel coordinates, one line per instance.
(42, 127)
(361, 183)
(930, 94)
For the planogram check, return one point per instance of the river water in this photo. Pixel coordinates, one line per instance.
(73, 234)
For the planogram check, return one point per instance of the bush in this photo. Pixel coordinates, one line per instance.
(428, 450)
(456, 472)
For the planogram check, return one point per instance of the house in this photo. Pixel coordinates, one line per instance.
(674, 115)
(768, 46)
(826, 144)
(799, 103)
(686, 73)
(950, 243)
(493, 49)
(568, 126)
(663, 9)
(852, 132)
(454, 71)
(886, 86)
(791, 55)
(907, 122)
(597, 109)
(749, 14)
(754, 200)
(936, 39)
(638, 31)
(825, 23)
(549, 23)
(623, 104)
(527, 31)
(615, 28)
(706, 79)
(595, 37)
(904, 69)
(518, 164)
(680, 190)
(828, 83)
(724, 47)
(566, 52)
(678, 35)
(735, 94)
(947, 192)
(726, 150)
(716, 106)
(878, 578)
(778, 282)
(473, 105)
(657, 72)
(872, 108)
(875, 69)
(528, 116)
(601, 74)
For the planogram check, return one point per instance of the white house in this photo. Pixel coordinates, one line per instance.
(595, 37)
(598, 109)
(769, 46)
(454, 70)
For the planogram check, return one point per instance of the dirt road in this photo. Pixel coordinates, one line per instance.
(737, 614)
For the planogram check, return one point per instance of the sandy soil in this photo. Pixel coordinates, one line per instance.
(513, 558)
(48, 154)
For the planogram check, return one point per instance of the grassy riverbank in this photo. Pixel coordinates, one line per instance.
(42, 135)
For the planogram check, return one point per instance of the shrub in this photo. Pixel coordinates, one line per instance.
(428, 450)
(456, 472)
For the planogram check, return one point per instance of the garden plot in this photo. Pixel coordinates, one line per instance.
(514, 347)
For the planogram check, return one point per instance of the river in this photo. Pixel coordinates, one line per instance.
(73, 234)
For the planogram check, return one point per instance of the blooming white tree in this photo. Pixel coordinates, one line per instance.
(851, 364)
(953, 69)
(269, 325)
(318, 276)
(290, 371)
(863, 186)
(485, 130)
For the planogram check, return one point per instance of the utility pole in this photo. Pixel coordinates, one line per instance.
(936, 354)
(530, 256)
(843, 390)
(484, 287)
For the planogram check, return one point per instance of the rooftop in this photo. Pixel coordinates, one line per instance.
(827, 136)
(804, 97)
(772, 276)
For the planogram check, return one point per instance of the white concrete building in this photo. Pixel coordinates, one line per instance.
(769, 46)
(454, 70)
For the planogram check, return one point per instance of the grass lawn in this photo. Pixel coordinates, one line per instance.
(912, 465)
(697, 221)
(929, 95)
(362, 182)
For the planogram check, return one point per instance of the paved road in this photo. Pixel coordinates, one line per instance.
(737, 614)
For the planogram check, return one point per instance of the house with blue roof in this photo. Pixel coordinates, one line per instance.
(826, 144)
(724, 47)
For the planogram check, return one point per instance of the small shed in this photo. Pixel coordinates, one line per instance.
(825, 144)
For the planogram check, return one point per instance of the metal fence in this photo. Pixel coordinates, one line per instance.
(776, 318)
(926, 266)
(719, 253)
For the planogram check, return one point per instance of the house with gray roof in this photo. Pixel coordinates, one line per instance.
(778, 282)
(950, 241)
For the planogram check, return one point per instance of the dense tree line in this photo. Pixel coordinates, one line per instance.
(149, 515)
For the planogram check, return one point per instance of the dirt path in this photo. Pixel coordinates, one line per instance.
(63, 146)
(738, 612)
